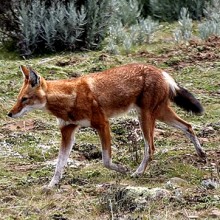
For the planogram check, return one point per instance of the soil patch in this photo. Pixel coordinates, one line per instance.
(183, 55)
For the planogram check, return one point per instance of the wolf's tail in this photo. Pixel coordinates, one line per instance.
(182, 97)
(186, 100)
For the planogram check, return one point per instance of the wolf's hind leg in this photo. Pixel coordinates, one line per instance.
(104, 134)
(170, 118)
(147, 124)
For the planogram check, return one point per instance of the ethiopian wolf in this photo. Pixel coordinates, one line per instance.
(92, 99)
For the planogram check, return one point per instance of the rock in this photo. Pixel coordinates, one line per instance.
(144, 192)
(178, 195)
(210, 184)
(70, 163)
(208, 131)
(130, 198)
(176, 182)
(211, 214)
(66, 188)
(215, 213)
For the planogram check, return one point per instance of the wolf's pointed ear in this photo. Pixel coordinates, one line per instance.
(25, 71)
(34, 79)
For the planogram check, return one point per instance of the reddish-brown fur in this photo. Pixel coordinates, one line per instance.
(92, 99)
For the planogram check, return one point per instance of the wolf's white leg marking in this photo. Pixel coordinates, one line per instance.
(68, 138)
(190, 134)
(170, 117)
(140, 170)
(107, 161)
(147, 124)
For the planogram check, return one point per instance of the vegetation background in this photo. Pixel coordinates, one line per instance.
(66, 38)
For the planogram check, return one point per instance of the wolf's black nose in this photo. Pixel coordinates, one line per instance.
(9, 114)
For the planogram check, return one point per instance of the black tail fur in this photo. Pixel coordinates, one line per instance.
(185, 100)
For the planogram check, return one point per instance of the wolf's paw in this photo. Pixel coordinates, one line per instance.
(201, 154)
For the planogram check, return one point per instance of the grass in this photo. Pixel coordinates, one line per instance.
(29, 145)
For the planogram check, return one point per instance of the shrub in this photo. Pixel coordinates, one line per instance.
(112, 47)
(99, 14)
(128, 28)
(184, 32)
(211, 26)
(147, 28)
(169, 10)
(52, 28)
(46, 26)
(137, 34)
(146, 10)
(126, 11)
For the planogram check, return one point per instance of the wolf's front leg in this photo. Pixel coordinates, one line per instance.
(68, 136)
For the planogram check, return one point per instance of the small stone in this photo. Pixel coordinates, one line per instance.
(215, 213)
(175, 182)
(204, 140)
(178, 194)
(158, 193)
(193, 217)
(209, 184)
(216, 197)
(66, 188)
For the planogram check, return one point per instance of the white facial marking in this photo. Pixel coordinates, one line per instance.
(42, 93)
(28, 108)
(22, 112)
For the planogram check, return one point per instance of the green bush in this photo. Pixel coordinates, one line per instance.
(211, 26)
(184, 32)
(99, 14)
(46, 26)
(137, 34)
(126, 11)
(128, 27)
(146, 10)
(169, 10)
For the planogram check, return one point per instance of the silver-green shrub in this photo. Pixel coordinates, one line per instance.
(211, 26)
(169, 10)
(30, 19)
(127, 43)
(99, 13)
(126, 11)
(49, 28)
(57, 25)
(128, 28)
(148, 27)
(128, 37)
(184, 31)
(143, 31)
(112, 47)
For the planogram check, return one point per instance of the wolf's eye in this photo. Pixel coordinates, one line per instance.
(24, 99)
